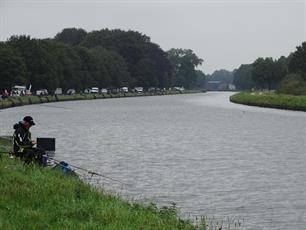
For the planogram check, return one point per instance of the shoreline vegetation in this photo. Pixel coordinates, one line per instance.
(270, 100)
(29, 100)
(33, 197)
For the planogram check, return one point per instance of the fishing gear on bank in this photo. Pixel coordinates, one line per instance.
(44, 152)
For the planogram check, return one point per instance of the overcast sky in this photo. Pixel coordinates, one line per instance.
(225, 34)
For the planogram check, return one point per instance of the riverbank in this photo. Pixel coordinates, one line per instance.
(29, 100)
(32, 197)
(271, 100)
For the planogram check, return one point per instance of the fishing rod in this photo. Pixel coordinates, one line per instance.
(92, 172)
(80, 168)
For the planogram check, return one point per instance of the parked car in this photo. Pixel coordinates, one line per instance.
(178, 88)
(124, 89)
(138, 89)
(94, 90)
(103, 91)
(70, 91)
(42, 92)
(58, 91)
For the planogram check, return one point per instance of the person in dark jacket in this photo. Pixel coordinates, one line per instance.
(23, 143)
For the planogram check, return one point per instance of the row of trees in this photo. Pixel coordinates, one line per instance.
(105, 58)
(286, 74)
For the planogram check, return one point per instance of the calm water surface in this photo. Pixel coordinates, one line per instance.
(209, 156)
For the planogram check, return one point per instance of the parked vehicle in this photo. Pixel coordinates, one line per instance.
(103, 91)
(18, 90)
(58, 91)
(124, 89)
(70, 91)
(138, 89)
(94, 90)
(178, 88)
(151, 89)
(42, 92)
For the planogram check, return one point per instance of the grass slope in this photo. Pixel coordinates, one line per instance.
(271, 100)
(32, 197)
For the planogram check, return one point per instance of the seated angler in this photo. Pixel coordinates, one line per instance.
(24, 145)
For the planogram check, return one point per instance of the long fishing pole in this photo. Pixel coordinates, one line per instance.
(88, 171)
(92, 172)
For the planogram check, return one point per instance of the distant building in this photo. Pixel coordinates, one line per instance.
(214, 85)
(219, 86)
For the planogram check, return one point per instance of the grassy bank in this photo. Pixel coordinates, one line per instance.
(271, 100)
(32, 197)
(28, 100)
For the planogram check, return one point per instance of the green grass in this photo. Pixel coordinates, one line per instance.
(271, 100)
(32, 197)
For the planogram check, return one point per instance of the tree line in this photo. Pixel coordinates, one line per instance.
(106, 58)
(286, 74)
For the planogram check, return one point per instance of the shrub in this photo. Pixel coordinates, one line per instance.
(293, 84)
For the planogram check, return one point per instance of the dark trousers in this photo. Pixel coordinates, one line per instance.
(33, 155)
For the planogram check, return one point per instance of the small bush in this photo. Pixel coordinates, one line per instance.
(293, 84)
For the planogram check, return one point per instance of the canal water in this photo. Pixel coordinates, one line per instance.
(207, 155)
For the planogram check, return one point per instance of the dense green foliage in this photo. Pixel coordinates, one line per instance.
(12, 67)
(266, 73)
(184, 63)
(243, 77)
(201, 79)
(271, 100)
(263, 73)
(32, 197)
(293, 84)
(297, 63)
(105, 59)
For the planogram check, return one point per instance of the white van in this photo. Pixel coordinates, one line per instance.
(94, 90)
